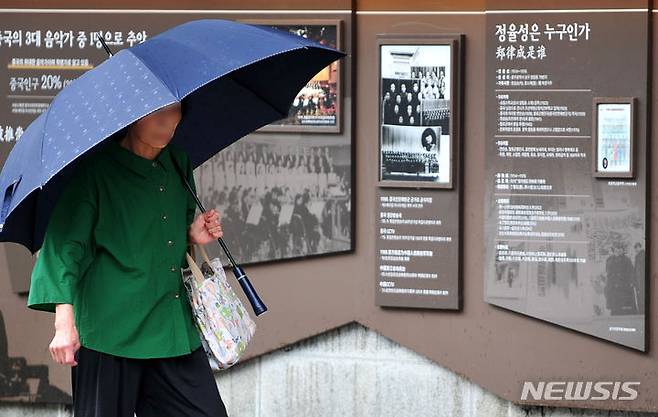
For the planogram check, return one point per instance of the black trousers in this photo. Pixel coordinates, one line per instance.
(105, 385)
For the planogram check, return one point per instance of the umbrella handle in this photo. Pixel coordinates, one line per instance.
(256, 303)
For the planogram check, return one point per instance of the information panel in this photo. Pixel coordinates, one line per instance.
(419, 195)
(418, 249)
(563, 242)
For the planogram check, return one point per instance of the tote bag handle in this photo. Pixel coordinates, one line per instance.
(196, 271)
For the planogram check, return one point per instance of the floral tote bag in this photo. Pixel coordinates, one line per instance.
(224, 325)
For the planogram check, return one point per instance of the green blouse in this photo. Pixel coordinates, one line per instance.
(114, 247)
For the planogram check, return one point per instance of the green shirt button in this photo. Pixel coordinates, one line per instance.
(162, 188)
(155, 164)
(170, 242)
(173, 268)
(176, 295)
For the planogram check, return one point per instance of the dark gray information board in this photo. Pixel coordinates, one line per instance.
(417, 249)
(419, 195)
(563, 244)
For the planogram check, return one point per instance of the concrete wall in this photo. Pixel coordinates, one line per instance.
(350, 371)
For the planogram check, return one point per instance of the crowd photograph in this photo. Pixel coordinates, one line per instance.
(415, 113)
(280, 199)
(318, 102)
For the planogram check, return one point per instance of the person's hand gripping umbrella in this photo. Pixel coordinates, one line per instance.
(231, 78)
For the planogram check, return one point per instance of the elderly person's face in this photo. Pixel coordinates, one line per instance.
(158, 128)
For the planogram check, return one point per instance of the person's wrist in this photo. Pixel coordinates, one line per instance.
(64, 325)
(63, 316)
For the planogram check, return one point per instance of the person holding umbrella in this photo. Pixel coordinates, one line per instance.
(100, 173)
(109, 269)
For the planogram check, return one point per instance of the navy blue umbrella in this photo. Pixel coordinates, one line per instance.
(231, 77)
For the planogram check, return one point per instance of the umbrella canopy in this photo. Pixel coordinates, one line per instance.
(231, 78)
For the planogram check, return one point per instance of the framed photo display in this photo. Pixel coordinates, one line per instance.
(613, 137)
(317, 106)
(418, 84)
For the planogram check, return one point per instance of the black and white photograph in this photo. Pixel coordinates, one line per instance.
(597, 287)
(415, 91)
(280, 198)
(413, 153)
(316, 108)
(20, 379)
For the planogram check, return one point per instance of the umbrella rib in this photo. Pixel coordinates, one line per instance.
(176, 94)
